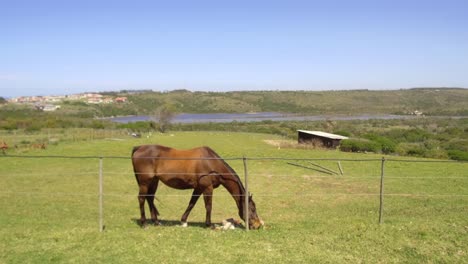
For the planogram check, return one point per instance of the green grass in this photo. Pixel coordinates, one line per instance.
(49, 208)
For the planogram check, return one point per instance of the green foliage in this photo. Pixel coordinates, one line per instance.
(458, 155)
(387, 145)
(163, 117)
(140, 126)
(359, 145)
(411, 149)
(409, 135)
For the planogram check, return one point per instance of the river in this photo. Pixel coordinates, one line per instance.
(254, 117)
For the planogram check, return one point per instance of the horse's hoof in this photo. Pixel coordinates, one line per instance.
(184, 224)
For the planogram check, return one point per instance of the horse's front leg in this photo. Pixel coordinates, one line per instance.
(195, 195)
(208, 197)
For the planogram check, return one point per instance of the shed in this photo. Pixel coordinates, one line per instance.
(324, 139)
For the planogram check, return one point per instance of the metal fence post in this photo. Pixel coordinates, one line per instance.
(101, 212)
(381, 190)
(246, 197)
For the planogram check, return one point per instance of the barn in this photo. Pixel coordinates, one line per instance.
(324, 139)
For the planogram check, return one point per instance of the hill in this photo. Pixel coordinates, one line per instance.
(429, 101)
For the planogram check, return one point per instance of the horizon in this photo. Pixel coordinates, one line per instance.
(58, 48)
(234, 91)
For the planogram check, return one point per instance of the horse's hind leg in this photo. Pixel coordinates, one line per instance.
(141, 199)
(150, 198)
(208, 197)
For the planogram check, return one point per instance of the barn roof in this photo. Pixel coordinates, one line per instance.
(323, 134)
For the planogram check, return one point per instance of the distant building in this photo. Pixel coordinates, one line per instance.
(93, 98)
(47, 107)
(54, 98)
(107, 100)
(120, 99)
(324, 139)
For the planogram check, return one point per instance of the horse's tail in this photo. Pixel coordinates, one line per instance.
(135, 149)
(134, 169)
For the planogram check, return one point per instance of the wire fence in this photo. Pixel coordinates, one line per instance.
(89, 182)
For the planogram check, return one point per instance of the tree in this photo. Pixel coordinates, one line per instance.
(163, 117)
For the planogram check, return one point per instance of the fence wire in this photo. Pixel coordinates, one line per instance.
(360, 179)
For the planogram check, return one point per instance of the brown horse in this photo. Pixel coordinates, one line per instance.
(200, 169)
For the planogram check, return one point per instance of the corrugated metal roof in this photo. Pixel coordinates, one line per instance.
(323, 134)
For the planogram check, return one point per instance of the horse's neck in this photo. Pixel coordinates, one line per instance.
(234, 186)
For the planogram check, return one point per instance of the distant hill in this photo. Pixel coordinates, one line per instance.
(425, 101)
(428, 101)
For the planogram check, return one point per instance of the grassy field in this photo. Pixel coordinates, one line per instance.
(49, 207)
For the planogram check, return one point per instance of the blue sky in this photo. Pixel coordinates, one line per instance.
(62, 47)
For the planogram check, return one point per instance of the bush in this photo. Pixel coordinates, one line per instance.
(359, 145)
(458, 155)
(410, 149)
(436, 154)
(387, 145)
(461, 145)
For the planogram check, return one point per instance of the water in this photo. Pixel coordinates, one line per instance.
(253, 117)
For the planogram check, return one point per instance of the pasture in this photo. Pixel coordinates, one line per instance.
(49, 207)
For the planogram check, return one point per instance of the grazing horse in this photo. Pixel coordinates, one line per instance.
(200, 169)
(4, 147)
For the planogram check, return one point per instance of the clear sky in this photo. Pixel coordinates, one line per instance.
(70, 46)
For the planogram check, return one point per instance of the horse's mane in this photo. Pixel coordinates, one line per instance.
(231, 170)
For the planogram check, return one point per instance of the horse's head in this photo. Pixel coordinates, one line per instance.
(254, 221)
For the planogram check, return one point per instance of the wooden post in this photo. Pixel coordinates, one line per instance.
(339, 167)
(326, 169)
(246, 201)
(381, 190)
(101, 212)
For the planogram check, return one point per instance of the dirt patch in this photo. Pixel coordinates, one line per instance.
(291, 144)
(276, 143)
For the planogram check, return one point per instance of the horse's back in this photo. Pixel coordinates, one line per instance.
(149, 155)
(176, 168)
(159, 151)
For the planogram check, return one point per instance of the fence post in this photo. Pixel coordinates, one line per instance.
(101, 213)
(246, 197)
(381, 190)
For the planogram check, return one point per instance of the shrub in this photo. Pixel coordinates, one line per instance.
(387, 145)
(410, 149)
(458, 155)
(359, 145)
(436, 154)
(458, 145)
